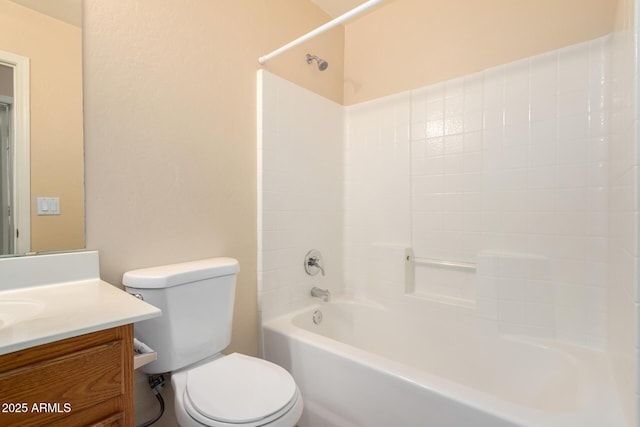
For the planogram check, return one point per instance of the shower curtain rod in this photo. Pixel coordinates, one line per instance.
(321, 29)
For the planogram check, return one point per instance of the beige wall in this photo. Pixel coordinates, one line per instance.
(412, 43)
(170, 129)
(55, 51)
(625, 14)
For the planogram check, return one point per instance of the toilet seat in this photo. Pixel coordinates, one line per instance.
(238, 390)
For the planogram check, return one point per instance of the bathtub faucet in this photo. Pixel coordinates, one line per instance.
(313, 262)
(324, 294)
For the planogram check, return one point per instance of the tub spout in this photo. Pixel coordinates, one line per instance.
(324, 294)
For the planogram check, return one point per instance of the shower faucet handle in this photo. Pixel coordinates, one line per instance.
(313, 262)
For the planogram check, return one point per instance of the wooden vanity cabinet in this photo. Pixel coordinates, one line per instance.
(81, 381)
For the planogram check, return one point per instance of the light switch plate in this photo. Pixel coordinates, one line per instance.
(48, 205)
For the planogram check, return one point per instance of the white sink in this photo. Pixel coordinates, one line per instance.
(14, 310)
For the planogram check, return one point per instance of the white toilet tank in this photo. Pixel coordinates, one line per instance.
(196, 299)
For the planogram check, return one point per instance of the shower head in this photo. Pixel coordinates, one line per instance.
(322, 64)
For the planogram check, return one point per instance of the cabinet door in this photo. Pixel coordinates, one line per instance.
(82, 381)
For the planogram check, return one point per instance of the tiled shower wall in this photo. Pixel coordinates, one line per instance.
(622, 284)
(507, 168)
(300, 152)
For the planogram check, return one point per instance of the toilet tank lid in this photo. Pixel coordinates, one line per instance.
(165, 276)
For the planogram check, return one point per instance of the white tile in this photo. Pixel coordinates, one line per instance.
(514, 267)
(418, 148)
(473, 121)
(538, 291)
(473, 98)
(599, 59)
(544, 72)
(487, 286)
(573, 152)
(573, 247)
(434, 165)
(435, 110)
(599, 99)
(573, 102)
(541, 200)
(492, 139)
(435, 92)
(487, 308)
(511, 289)
(572, 200)
(516, 113)
(516, 84)
(493, 92)
(599, 124)
(542, 177)
(418, 105)
(538, 269)
(513, 179)
(453, 144)
(435, 128)
(517, 134)
(544, 105)
(454, 88)
(572, 176)
(598, 174)
(574, 127)
(511, 311)
(418, 131)
(544, 131)
(596, 249)
(488, 264)
(515, 156)
(539, 314)
(543, 154)
(453, 124)
(454, 105)
(573, 68)
(472, 141)
(493, 117)
(598, 149)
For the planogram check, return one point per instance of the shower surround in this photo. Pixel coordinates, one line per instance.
(527, 170)
(506, 168)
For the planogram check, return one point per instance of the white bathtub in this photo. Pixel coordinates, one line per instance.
(366, 365)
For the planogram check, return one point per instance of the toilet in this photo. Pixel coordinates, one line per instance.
(211, 389)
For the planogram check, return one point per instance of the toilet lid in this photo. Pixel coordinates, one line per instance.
(239, 389)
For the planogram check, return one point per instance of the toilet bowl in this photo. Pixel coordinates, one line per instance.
(196, 299)
(236, 390)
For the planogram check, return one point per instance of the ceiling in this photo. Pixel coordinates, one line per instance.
(69, 11)
(335, 8)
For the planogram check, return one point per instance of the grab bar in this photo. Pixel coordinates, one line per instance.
(459, 265)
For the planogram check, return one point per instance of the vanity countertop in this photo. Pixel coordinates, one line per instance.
(32, 314)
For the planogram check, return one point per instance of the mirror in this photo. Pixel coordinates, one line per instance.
(42, 162)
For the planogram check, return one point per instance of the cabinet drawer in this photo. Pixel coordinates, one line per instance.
(59, 387)
(113, 421)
